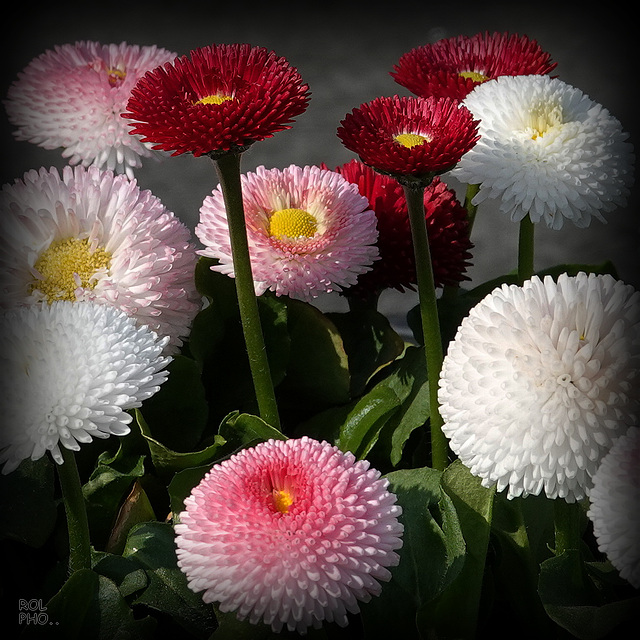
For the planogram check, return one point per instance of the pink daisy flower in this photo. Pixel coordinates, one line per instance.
(221, 97)
(405, 136)
(452, 67)
(87, 234)
(309, 231)
(73, 97)
(291, 532)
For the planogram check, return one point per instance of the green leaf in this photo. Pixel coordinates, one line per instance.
(166, 461)
(180, 401)
(152, 546)
(90, 605)
(181, 486)
(431, 557)
(240, 429)
(28, 511)
(573, 605)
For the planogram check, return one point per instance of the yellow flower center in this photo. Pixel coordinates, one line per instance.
(116, 76)
(282, 500)
(214, 99)
(474, 75)
(542, 119)
(410, 139)
(292, 223)
(67, 265)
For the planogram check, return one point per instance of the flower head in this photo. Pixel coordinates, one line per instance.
(221, 98)
(446, 222)
(406, 136)
(452, 67)
(73, 97)
(546, 150)
(69, 371)
(539, 381)
(291, 532)
(87, 234)
(615, 506)
(309, 231)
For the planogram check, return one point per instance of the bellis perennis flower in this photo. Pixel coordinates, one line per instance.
(309, 231)
(615, 506)
(290, 532)
(540, 380)
(405, 136)
(69, 371)
(86, 234)
(546, 150)
(73, 97)
(446, 222)
(222, 97)
(452, 67)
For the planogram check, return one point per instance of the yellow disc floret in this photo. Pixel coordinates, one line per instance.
(214, 99)
(282, 500)
(542, 118)
(66, 265)
(410, 139)
(292, 223)
(474, 75)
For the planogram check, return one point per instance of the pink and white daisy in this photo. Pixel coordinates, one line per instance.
(615, 506)
(86, 234)
(540, 380)
(73, 97)
(291, 533)
(309, 231)
(69, 371)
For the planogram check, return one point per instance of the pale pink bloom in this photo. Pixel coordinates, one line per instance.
(292, 532)
(310, 231)
(86, 234)
(73, 96)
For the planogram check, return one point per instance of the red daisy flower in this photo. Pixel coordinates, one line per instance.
(407, 136)
(223, 97)
(447, 230)
(452, 67)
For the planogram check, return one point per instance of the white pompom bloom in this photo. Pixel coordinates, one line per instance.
(540, 380)
(547, 150)
(615, 506)
(68, 372)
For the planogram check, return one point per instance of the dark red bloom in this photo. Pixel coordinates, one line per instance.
(406, 136)
(222, 97)
(446, 224)
(452, 67)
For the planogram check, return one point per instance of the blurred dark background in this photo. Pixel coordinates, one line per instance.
(345, 51)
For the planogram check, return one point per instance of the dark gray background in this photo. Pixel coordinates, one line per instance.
(345, 51)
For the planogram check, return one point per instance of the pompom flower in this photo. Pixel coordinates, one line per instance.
(406, 136)
(452, 67)
(291, 532)
(447, 230)
(73, 96)
(222, 97)
(69, 371)
(615, 506)
(309, 231)
(540, 380)
(546, 150)
(86, 234)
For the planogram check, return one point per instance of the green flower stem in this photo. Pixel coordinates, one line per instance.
(429, 317)
(228, 169)
(472, 190)
(567, 537)
(77, 523)
(525, 249)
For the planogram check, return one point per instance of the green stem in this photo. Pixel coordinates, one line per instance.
(429, 317)
(525, 249)
(228, 169)
(77, 523)
(567, 537)
(472, 190)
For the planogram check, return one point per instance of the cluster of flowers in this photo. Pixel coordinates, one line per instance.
(536, 389)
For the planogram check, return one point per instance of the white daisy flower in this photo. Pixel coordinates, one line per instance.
(547, 150)
(68, 372)
(540, 380)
